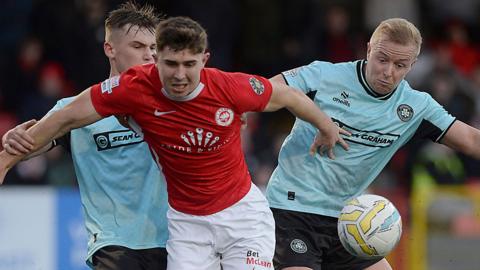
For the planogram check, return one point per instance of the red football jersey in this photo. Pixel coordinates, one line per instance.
(195, 139)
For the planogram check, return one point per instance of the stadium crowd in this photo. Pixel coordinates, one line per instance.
(53, 49)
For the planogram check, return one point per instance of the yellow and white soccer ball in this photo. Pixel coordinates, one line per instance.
(369, 226)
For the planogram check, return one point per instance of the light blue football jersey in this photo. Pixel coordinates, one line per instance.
(123, 193)
(380, 125)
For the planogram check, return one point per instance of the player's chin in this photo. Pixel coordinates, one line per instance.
(383, 88)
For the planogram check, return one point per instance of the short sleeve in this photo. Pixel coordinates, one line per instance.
(435, 120)
(116, 95)
(248, 93)
(60, 104)
(439, 118)
(305, 78)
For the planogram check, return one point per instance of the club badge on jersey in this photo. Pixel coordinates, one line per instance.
(405, 112)
(256, 85)
(224, 117)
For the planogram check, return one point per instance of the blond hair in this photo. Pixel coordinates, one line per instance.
(130, 13)
(399, 31)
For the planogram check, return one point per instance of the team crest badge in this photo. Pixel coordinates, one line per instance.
(224, 117)
(298, 246)
(256, 85)
(405, 112)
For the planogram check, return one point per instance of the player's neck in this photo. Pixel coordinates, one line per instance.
(113, 72)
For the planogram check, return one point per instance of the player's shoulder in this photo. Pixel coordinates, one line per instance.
(412, 92)
(414, 96)
(61, 103)
(144, 70)
(323, 67)
(220, 77)
(326, 64)
(65, 101)
(215, 73)
(141, 77)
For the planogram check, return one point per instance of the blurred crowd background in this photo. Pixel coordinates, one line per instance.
(53, 49)
(50, 49)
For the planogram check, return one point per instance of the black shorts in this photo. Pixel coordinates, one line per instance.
(311, 240)
(122, 258)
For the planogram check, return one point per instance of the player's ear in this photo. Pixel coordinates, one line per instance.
(369, 48)
(108, 49)
(206, 56)
(413, 63)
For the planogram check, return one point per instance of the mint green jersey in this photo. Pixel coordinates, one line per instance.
(380, 125)
(123, 193)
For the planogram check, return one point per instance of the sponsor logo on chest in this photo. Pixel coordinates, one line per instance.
(371, 138)
(343, 98)
(197, 141)
(114, 139)
(200, 139)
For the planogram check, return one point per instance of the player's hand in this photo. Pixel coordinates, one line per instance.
(326, 141)
(123, 120)
(16, 141)
(7, 161)
(3, 173)
(2, 176)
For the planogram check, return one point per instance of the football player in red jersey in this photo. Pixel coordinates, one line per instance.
(191, 118)
(130, 233)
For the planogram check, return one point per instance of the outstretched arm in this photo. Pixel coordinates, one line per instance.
(463, 138)
(284, 96)
(17, 141)
(78, 113)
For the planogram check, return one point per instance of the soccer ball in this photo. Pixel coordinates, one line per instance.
(369, 226)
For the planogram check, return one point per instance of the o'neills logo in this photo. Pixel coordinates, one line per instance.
(343, 100)
(253, 258)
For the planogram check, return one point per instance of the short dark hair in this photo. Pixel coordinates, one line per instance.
(180, 33)
(131, 13)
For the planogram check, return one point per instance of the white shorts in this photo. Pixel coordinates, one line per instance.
(239, 237)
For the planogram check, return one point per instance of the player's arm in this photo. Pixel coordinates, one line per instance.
(78, 113)
(278, 79)
(17, 141)
(284, 96)
(463, 138)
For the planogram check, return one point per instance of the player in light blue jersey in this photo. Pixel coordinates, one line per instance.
(123, 193)
(371, 99)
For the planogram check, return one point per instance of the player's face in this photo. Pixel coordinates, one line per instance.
(135, 47)
(387, 64)
(180, 70)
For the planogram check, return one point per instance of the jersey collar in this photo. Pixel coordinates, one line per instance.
(363, 81)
